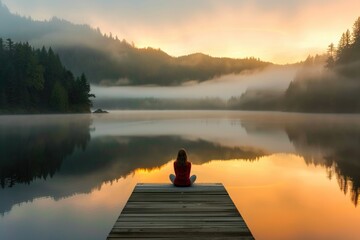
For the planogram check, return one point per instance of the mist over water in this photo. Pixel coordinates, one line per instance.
(275, 77)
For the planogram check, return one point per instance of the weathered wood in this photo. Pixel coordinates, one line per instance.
(162, 211)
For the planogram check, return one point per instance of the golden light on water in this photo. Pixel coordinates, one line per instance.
(279, 196)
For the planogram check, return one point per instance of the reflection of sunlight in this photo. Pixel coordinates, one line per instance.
(143, 171)
(279, 196)
(157, 175)
(280, 187)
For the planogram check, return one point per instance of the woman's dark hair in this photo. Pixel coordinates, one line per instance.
(181, 157)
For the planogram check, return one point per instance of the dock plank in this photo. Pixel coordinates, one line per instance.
(162, 211)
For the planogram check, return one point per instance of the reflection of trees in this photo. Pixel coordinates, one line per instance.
(127, 154)
(36, 150)
(334, 146)
(105, 159)
(331, 141)
(347, 173)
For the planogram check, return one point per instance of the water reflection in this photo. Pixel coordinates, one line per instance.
(330, 141)
(61, 149)
(332, 145)
(36, 149)
(63, 156)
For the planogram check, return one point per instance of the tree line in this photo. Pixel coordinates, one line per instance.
(35, 80)
(123, 64)
(325, 83)
(334, 88)
(107, 60)
(347, 52)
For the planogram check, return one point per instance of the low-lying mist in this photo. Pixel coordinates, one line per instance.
(224, 87)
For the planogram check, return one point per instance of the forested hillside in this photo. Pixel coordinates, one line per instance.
(33, 81)
(106, 60)
(334, 88)
(325, 83)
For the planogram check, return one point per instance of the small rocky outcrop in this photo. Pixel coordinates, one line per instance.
(100, 111)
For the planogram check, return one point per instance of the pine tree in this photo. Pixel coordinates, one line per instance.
(330, 60)
(348, 39)
(10, 45)
(341, 45)
(356, 32)
(344, 51)
(59, 98)
(1, 45)
(36, 80)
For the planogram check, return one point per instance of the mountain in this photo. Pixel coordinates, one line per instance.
(106, 60)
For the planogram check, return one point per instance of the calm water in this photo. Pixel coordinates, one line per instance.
(292, 176)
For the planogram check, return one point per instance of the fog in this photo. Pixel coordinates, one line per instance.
(224, 87)
(56, 33)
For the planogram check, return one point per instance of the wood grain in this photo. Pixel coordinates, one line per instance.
(162, 211)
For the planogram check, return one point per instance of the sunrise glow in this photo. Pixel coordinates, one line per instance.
(280, 32)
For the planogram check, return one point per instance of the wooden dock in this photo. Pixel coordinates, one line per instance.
(162, 211)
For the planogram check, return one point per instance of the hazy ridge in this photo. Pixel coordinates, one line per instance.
(106, 60)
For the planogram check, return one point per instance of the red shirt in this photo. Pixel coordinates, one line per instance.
(182, 174)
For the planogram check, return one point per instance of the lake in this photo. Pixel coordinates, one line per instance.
(292, 176)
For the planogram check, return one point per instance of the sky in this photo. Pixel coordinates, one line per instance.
(280, 31)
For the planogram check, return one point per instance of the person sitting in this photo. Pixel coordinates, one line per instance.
(182, 169)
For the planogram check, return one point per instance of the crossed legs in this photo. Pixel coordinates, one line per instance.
(192, 178)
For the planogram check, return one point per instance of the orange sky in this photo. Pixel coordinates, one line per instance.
(276, 30)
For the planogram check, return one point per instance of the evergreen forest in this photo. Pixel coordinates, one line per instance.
(35, 81)
(109, 61)
(328, 83)
(335, 87)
